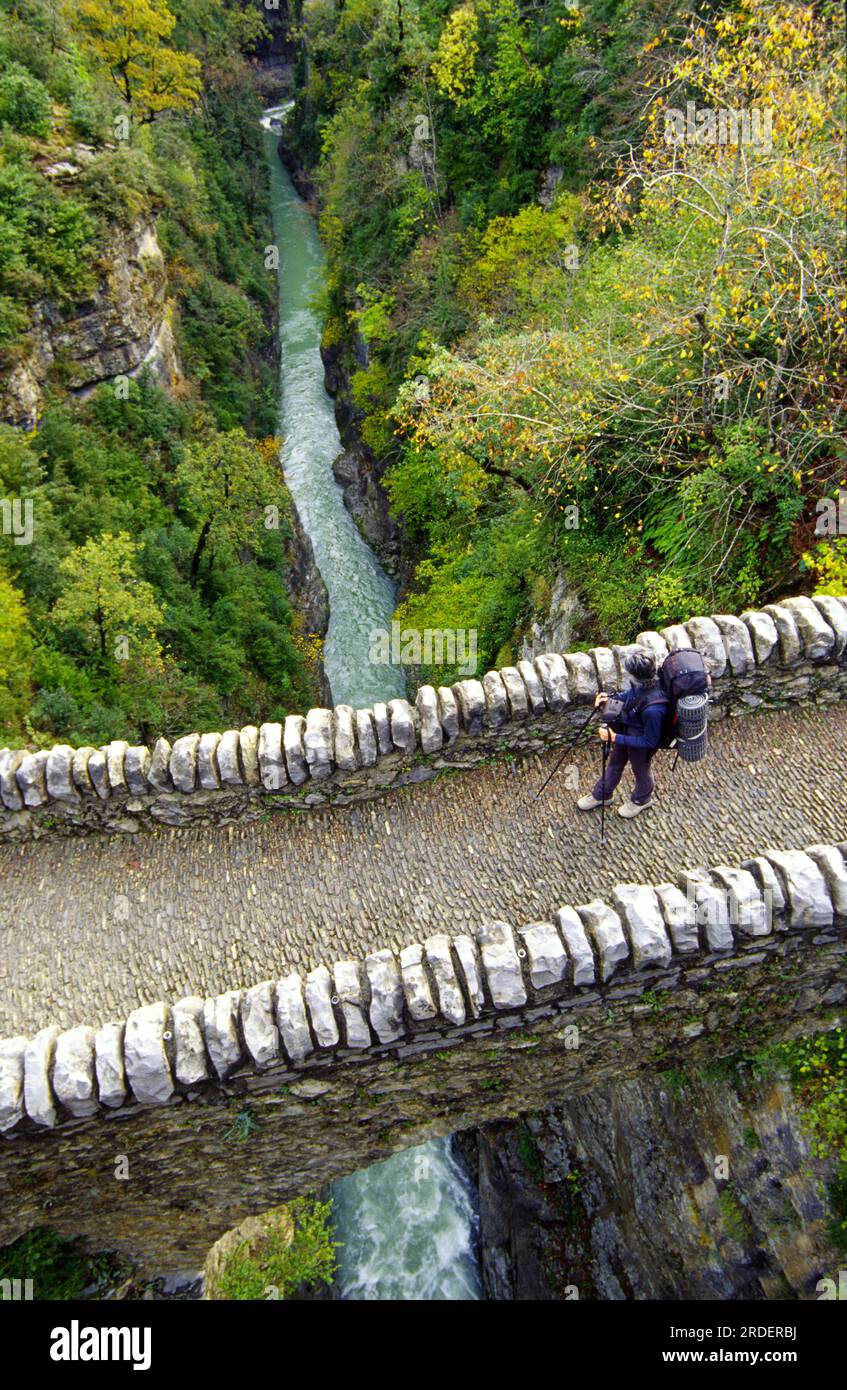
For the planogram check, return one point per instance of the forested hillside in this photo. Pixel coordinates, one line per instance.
(599, 341)
(151, 594)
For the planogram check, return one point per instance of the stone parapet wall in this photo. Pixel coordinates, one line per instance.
(434, 994)
(792, 651)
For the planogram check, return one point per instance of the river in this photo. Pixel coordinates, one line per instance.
(407, 1226)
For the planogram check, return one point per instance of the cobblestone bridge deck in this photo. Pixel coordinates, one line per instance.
(91, 927)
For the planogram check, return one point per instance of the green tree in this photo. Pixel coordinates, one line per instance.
(227, 481)
(104, 600)
(24, 102)
(128, 37)
(15, 656)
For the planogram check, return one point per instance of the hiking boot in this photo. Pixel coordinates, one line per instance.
(633, 808)
(588, 803)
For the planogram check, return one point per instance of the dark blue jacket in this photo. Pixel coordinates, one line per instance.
(640, 728)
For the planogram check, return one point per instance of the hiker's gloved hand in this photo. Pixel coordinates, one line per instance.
(601, 699)
(606, 734)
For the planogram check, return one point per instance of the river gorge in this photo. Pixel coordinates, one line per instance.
(406, 1227)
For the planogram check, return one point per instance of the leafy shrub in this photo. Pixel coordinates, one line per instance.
(51, 1261)
(309, 1258)
(24, 102)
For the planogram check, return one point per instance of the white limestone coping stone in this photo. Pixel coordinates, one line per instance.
(496, 700)
(318, 992)
(438, 956)
(809, 903)
(706, 638)
(317, 743)
(737, 642)
(816, 634)
(769, 882)
(553, 674)
(638, 907)
(835, 614)
(432, 734)
(470, 698)
(39, 1100)
(115, 753)
(516, 692)
(680, 914)
(59, 773)
(605, 928)
(401, 717)
(750, 913)
(546, 956)
(10, 792)
(183, 763)
(448, 713)
(295, 754)
(109, 1064)
(220, 1029)
(258, 1024)
(291, 1018)
(832, 866)
(712, 909)
(229, 761)
(136, 766)
(159, 771)
(148, 1070)
(346, 753)
(74, 1083)
(366, 737)
(32, 778)
(763, 634)
(416, 987)
(248, 742)
(191, 1062)
(347, 982)
(790, 642)
(273, 773)
(12, 1052)
(575, 937)
(208, 775)
(501, 966)
(386, 1003)
(467, 955)
(532, 685)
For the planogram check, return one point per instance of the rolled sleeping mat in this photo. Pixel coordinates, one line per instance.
(693, 727)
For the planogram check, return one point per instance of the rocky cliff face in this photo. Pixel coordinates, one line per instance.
(308, 594)
(614, 1196)
(360, 473)
(555, 633)
(122, 328)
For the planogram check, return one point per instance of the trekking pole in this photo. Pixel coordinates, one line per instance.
(604, 757)
(580, 731)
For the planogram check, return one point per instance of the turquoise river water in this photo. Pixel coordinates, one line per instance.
(406, 1226)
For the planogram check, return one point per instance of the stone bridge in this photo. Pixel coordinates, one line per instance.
(376, 947)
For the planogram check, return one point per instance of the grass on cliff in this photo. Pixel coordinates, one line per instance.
(279, 1267)
(56, 1265)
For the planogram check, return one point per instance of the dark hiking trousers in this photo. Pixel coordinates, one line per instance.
(640, 760)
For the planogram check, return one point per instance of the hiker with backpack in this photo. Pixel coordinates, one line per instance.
(664, 709)
(635, 737)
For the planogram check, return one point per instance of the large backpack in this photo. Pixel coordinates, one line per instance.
(681, 673)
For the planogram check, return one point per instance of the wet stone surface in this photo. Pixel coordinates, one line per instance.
(92, 927)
